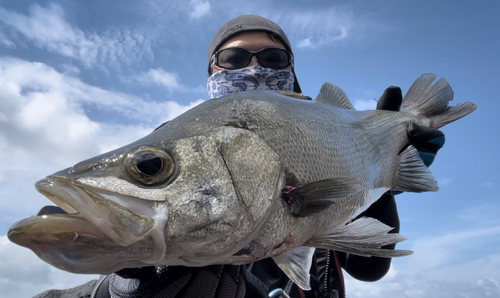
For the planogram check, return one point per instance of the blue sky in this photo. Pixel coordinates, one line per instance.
(78, 78)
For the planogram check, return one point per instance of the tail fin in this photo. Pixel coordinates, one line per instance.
(431, 101)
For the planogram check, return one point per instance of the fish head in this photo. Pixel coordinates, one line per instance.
(191, 200)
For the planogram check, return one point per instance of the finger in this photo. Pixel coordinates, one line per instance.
(425, 138)
(391, 99)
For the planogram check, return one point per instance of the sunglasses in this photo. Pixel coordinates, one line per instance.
(234, 58)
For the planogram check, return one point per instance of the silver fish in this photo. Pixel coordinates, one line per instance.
(241, 178)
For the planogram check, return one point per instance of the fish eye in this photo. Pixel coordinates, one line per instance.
(149, 165)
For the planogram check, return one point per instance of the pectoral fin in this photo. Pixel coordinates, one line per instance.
(364, 237)
(296, 264)
(317, 196)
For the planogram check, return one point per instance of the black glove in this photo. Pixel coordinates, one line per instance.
(218, 281)
(426, 140)
(373, 268)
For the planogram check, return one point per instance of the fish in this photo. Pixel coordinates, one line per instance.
(241, 178)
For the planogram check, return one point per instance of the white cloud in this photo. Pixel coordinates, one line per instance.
(314, 28)
(5, 42)
(462, 263)
(70, 70)
(472, 279)
(46, 124)
(36, 110)
(321, 40)
(159, 77)
(487, 211)
(162, 78)
(44, 127)
(405, 286)
(305, 43)
(442, 250)
(23, 274)
(48, 29)
(200, 8)
(174, 109)
(362, 105)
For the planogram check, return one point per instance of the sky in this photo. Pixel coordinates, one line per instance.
(79, 78)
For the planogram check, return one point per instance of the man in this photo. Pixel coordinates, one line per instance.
(247, 53)
(248, 46)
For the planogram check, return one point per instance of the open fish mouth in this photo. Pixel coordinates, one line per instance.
(90, 231)
(113, 214)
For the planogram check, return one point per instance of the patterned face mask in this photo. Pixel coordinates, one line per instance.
(250, 78)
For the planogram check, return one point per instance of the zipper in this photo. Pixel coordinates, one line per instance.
(340, 292)
(327, 270)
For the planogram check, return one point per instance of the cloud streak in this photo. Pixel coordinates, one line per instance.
(159, 77)
(200, 8)
(48, 29)
(317, 28)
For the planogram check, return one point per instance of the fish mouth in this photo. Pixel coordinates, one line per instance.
(90, 230)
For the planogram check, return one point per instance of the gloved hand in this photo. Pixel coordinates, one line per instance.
(426, 140)
(216, 281)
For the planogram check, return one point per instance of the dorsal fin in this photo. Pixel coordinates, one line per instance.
(332, 94)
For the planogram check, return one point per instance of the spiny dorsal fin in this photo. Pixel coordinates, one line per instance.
(296, 264)
(332, 94)
(364, 237)
(411, 174)
(317, 196)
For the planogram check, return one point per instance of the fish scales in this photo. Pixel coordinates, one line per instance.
(240, 178)
(317, 143)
